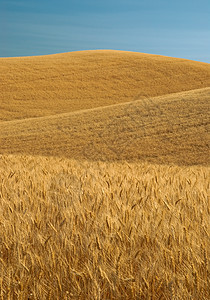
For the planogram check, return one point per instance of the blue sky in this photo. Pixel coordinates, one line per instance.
(178, 28)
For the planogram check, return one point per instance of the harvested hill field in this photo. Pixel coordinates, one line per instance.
(46, 85)
(170, 129)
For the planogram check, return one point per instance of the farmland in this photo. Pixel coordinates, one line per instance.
(104, 177)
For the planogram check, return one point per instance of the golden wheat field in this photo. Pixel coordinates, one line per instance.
(76, 230)
(168, 129)
(104, 177)
(53, 84)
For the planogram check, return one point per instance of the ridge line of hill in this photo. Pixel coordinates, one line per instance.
(99, 51)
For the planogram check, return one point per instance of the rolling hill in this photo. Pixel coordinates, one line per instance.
(46, 85)
(170, 129)
(104, 177)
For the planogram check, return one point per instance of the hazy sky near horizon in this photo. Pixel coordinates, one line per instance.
(178, 28)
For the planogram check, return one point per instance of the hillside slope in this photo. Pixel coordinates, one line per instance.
(46, 85)
(166, 129)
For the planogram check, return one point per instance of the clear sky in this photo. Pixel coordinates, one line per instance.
(179, 28)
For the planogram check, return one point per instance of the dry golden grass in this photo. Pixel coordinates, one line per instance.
(81, 230)
(167, 129)
(46, 85)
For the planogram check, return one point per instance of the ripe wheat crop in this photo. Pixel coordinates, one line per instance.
(99, 230)
(53, 84)
(104, 174)
(170, 129)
